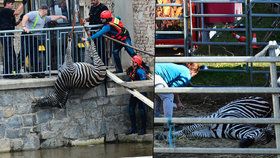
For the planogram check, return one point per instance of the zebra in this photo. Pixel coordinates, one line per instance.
(248, 134)
(71, 75)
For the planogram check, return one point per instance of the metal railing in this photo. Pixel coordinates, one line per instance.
(273, 89)
(43, 51)
(188, 16)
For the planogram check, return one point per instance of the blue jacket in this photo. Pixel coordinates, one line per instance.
(137, 74)
(105, 29)
(173, 74)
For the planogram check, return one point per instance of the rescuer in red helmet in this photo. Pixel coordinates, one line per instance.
(113, 27)
(138, 71)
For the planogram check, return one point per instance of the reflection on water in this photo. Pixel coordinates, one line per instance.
(95, 151)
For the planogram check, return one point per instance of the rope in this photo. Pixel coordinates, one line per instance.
(73, 23)
(170, 130)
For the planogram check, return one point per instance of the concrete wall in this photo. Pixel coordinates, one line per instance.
(89, 114)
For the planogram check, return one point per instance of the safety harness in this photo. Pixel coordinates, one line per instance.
(132, 71)
(122, 32)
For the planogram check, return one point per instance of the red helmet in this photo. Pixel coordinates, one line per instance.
(137, 59)
(106, 14)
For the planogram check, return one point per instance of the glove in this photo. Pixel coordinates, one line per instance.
(24, 2)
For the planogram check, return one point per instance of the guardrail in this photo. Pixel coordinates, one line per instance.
(273, 89)
(43, 51)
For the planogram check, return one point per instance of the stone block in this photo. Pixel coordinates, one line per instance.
(43, 116)
(119, 100)
(60, 114)
(1, 116)
(53, 143)
(41, 127)
(111, 136)
(93, 113)
(16, 144)
(14, 122)
(89, 94)
(75, 110)
(48, 134)
(112, 110)
(92, 128)
(103, 101)
(5, 145)
(72, 132)
(23, 108)
(89, 105)
(12, 133)
(101, 90)
(25, 131)
(58, 125)
(8, 111)
(31, 142)
(6, 98)
(28, 120)
(2, 130)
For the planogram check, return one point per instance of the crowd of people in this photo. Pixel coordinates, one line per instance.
(32, 40)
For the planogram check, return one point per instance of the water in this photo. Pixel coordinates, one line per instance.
(95, 151)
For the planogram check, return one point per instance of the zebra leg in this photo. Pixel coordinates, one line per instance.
(205, 133)
(195, 127)
(202, 133)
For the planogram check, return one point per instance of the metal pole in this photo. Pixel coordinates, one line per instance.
(186, 34)
(145, 52)
(275, 99)
(191, 27)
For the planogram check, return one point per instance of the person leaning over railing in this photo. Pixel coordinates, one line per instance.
(94, 19)
(8, 22)
(172, 75)
(29, 43)
(115, 29)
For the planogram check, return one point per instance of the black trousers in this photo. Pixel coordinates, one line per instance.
(133, 102)
(29, 47)
(10, 59)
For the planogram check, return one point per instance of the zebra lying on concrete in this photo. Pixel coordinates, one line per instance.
(71, 75)
(248, 134)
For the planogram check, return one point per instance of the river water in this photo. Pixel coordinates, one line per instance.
(94, 151)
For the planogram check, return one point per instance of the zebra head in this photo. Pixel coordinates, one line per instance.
(257, 136)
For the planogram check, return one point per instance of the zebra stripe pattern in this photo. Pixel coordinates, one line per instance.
(75, 75)
(248, 134)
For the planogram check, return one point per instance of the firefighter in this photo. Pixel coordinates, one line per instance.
(113, 27)
(138, 71)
